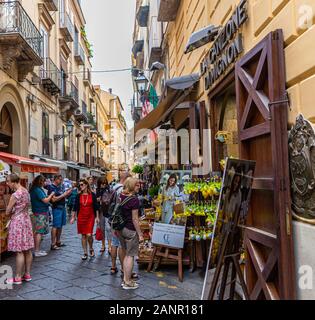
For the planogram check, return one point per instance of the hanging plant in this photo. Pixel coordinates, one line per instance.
(87, 43)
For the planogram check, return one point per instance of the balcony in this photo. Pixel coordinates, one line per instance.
(52, 5)
(47, 146)
(51, 77)
(87, 77)
(168, 10)
(79, 55)
(137, 47)
(68, 99)
(136, 114)
(81, 115)
(20, 40)
(155, 41)
(66, 27)
(143, 15)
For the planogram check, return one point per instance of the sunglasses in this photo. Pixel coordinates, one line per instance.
(82, 184)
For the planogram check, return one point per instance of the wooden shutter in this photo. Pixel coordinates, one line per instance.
(262, 117)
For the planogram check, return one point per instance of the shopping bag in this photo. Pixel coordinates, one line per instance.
(99, 234)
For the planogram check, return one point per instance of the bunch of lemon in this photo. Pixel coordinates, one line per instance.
(207, 188)
(201, 209)
(210, 189)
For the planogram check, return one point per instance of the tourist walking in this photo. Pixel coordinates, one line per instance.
(20, 233)
(86, 211)
(71, 199)
(92, 184)
(131, 234)
(58, 210)
(116, 248)
(40, 208)
(103, 194)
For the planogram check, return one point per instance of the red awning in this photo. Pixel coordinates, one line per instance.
(28, 165)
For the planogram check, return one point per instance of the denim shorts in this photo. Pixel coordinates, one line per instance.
(59, 217)
(115, 240)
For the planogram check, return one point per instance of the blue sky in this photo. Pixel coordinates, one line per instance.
(109, 28)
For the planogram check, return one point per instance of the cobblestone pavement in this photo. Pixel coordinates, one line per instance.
(63, 276)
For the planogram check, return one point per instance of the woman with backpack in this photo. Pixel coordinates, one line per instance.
(130, 235)
(86, 209)
(103, 194)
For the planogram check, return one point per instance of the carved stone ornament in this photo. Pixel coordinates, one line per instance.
(302, 169)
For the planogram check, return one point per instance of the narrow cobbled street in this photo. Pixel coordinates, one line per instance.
(63, 276)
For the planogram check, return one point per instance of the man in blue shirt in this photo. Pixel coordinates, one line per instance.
(58, 210)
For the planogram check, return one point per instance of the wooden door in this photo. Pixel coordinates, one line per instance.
(262, 117)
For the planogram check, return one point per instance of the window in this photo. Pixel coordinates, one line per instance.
(45, 48)
(45, 135)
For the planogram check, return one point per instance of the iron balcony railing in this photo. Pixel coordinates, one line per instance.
(70, 91)
(14, 19)
(50, 72)
(87, 76)
(79, 54)
(67, 25)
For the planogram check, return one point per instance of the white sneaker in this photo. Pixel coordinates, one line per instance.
(131, 286)
(40, 254)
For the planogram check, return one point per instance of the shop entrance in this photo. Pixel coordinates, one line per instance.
(6, 130)
(224, 126)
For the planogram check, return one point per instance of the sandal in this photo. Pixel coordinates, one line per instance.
(134, 275)
(59, 244)
(113, 271)
(54, 247)
(102, 250)
(84, 257)
(92, 253)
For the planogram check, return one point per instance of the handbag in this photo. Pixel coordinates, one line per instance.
(99, 236)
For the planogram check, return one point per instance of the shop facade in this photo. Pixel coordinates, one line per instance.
(249, 75)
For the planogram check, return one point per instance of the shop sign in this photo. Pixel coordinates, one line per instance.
(4, 171)
(169, 235)
(226, 48)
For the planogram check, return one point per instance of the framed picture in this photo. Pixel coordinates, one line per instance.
(232, 210)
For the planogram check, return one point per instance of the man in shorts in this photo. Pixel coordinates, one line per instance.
(58, 210)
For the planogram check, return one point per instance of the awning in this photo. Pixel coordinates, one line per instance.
(60, 164)
(176, 92)
(201, 37)
(84, 172)
(28, 165)
(137, 47)
(73, 165)
(97, 173)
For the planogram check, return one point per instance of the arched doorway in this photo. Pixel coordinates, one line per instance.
(14, 131)
(6, 131)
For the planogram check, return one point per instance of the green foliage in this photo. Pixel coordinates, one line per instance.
(87, 43)
(154, 191)
(137, 169)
